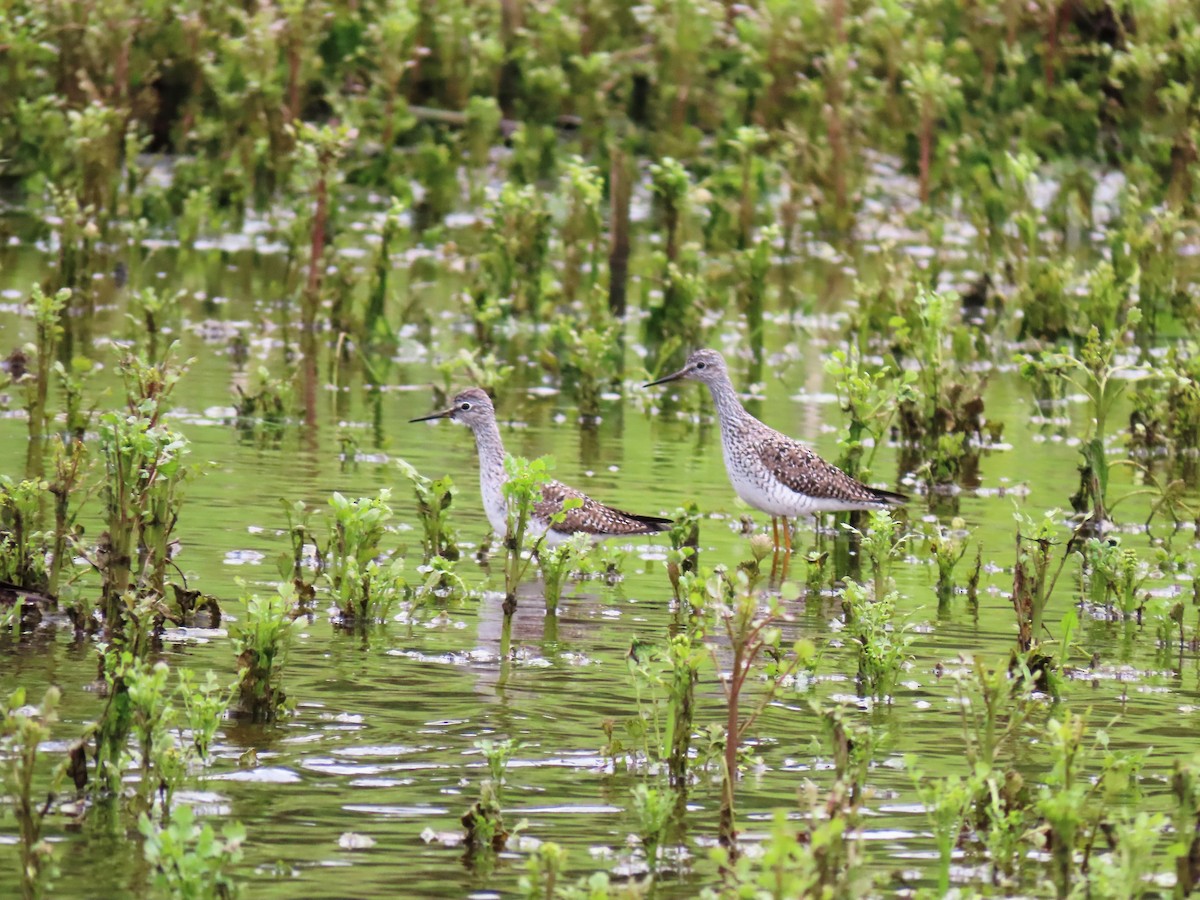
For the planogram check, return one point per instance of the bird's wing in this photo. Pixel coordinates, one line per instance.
(800, 469)
(590, 516)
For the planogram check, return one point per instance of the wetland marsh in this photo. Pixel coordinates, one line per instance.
(953, 250)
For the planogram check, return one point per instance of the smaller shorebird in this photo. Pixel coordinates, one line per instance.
(771, 471)
(473, 408)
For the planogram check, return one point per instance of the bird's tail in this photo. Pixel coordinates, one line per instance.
(654, 524)
(891, 498)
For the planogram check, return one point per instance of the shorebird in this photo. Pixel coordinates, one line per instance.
(473, 408)
(771, 471)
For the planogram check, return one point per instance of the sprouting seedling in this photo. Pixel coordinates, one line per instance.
(434, 497)
(262, 641)
(752, 633)
(190, 859)
(880, 644)
(949, 546)
(882, 542)
(22, 732)
(484, 821)
(556, 563)
(946, 801)
(652, 809)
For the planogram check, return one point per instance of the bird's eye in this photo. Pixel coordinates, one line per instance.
(464, 407)
(701, 365)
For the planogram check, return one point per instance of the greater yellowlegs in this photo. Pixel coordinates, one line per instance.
(771, 471)
(473, 408)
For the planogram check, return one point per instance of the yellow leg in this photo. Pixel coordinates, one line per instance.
(787, 535)
(775, 532)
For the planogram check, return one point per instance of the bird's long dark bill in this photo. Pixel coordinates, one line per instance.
(444, 414)
(664, 380)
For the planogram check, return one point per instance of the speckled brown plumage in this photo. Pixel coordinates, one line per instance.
(769, 470)
(799, 469)
(591, 517)
(474, 409)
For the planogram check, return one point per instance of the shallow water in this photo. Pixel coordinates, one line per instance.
(381, 741)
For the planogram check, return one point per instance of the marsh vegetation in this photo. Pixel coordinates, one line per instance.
(256, 635)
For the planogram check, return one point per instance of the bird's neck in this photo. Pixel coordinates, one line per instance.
(730, 411)
(490, 447)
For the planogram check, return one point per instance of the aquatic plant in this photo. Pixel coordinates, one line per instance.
(22, 544)
(683, 558)
(933, 92)
(556, 563)
(23, 730)
(375, 327)
(484, 821)
(948, 546)
(365, 586)
(204, 704)
(47, 311)
(434, 497)
(753, 266)
(676, 314)
(145, 469)
(161, 765)
(483, 370)
(1098, 373)
(880, 644)
(1185, 787)
(1061, 801)
(262, 640)
(881, 542)
(664, 680)
(940, 410)
(191, 860)
(582, 228)
(318, 151)
(946, 801)
(522, 491)
(1032, 584)
(751, 633)
(652, 809)
(1114, 572)
(868, 398)
(66, 488)
(543, 869)
(291, 562)
(591, 357)
(796, 862)
(153, 315)
(516, 251)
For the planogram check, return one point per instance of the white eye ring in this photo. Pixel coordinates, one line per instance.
(701, 365)
(465, 407)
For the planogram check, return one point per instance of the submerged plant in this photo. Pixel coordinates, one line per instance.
(145, 469)
(880, 643)
(189, 859)
(1032, 584)
(365, 585)
(434, 497)
(484, 821)
(652, 809)
(555, 563)
(752, 633)
(22, 732)
(262, 640)
(522, 493)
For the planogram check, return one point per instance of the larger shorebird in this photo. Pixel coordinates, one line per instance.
(771, 471)
(473, 408)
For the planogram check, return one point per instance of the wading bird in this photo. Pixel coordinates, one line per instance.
(474, 409)
(771, 471)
